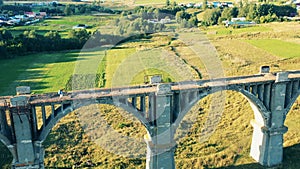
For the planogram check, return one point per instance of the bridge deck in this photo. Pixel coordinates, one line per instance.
(146, 89)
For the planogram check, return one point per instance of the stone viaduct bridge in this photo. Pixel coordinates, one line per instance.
(160, 108)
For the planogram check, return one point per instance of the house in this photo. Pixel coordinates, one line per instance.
(216, 4)
(41, 15)
(13, 21)
(21, 17)
(30, 14)
(239, 23)
(238, 19)
(198, 5)
(166, 20)
(190, 5)
(229, 4)
(80, 26)
(152, 20)
(2, 22)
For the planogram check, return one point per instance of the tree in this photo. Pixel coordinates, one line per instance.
(252, 13)
(174, 4)
(229, 13)
(53, 35)
(183, 23)
(179, 15)
(157, 14)
(168, 3)
(211, 17)
(6, 35)
(53, 39)
(3, 50)
(204, 5)
(192, 22)
(82, 9)
(68, 10)
(243, 9)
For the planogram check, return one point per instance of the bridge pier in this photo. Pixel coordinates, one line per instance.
(267, 140)
(160, 138)
(267, 144)
(29, 153)
(159, 155)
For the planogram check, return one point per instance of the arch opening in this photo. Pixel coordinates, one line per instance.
(291, 139)
(229, 144)
(5, 157)
(96, 135)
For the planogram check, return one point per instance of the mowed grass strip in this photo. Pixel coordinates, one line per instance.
(222, 30)
(129, 66)
(277, 47)
(114, 58)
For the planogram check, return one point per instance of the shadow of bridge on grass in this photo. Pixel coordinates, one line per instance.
(291, 160)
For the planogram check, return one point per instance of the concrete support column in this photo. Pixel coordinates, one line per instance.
(160, 138)
(267, 141)
(266, 146)
(159, 156)
(39, 154)
(26, 155)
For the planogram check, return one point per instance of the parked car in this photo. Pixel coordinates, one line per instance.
(81, 26)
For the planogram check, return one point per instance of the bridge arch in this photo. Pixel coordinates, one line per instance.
(292, 102)
(5, 140)
(291, 139)
(62, 111)
(6, 154)
(261, 113)
(219, 143)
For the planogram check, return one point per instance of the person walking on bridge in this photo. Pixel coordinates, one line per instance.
(60, 92)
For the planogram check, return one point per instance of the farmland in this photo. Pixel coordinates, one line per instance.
(241, 52)
(65, 24)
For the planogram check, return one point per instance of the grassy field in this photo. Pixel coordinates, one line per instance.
(222, 30)
(37, 71)
(278, 47)
(69, 145)
(45, 72)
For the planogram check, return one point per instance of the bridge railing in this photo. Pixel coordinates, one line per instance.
(4, 103)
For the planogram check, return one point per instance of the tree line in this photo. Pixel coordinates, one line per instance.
(259, 13)
(54, 9)
(31, 42)
(145, 20)
(14, 9)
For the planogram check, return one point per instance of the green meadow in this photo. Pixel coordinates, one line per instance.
(277, 47)
(45, 72)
